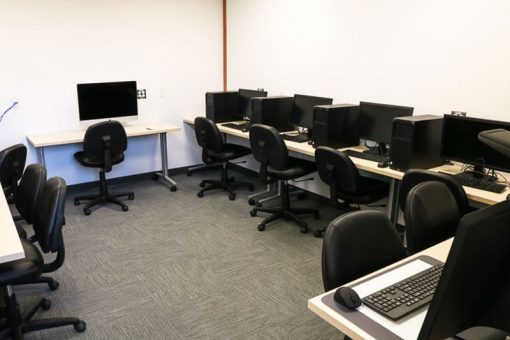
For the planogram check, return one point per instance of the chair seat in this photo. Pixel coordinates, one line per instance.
(96, 163)
(370, 190)
(230, 151)
(295, 168)
(29, 268)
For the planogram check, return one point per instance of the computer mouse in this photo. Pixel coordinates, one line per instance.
(347, 297)
(383, 164)
(245, 130)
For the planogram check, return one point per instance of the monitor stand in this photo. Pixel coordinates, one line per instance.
(380, 150)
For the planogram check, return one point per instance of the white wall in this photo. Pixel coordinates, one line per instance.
(171, 48)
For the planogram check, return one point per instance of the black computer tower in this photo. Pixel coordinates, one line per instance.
(335, 126)
(416, 142)
(273, 111)
(222, 106)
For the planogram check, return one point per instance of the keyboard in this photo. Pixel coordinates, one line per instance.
(367, 156)
(300, 138)
(479, 183)
(237, 126)
(406, 296)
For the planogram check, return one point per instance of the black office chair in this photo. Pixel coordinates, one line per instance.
(215, 150)
(356, 244)
(48, 221)
(431, 216)
(103, 146)
(269, 149)
(12, 163)
(338, 171)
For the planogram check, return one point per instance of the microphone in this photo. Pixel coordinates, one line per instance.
(8, 109)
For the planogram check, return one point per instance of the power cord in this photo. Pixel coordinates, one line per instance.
(8, 109)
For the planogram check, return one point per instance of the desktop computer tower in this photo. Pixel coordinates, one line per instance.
(272, 111)
(335, 126)
(222, 106)
(416, 142)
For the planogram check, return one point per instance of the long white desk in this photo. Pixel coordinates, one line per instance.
(355, 331)
(40, 141)
(10, 244)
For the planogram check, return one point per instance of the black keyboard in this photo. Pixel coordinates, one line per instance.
(367, 156)
(406, 296)
(299, 138)
(479, 183)
(237, 126)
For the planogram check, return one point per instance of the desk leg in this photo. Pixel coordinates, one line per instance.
(393, 200)
(40, 150)
(163, 175)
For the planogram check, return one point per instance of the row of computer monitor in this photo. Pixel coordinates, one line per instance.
(459, 138)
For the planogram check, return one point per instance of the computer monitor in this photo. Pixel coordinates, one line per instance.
(460, 143)
(302, 109)
(245, 102)
(474, 288)
(97, 101)
(376, 121)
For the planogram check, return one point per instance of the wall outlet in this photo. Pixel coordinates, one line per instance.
(141, 94)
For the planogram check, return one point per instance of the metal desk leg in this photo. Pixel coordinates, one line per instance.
(40, 150)
(163, 175)
(393, 200)
(263, 196)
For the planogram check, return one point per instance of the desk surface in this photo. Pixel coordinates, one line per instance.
(473, 194)
(76, 136)
(10, 245)
(439, 251)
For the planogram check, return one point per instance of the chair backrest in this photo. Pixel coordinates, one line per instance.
(111, 132)
(268, 147)
(29, 190)
(49, 217)
(431, 215)
(337, 170)
(356, 244)
(416, 176)
(12, 163)
(208, 135)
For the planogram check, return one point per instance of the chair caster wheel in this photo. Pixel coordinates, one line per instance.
(317, 233)
(131, 197)
(251, 201)
(261, 227)
(87, 211)
(301, 196)
(316, 216)
(253, 212)
(80, 326)
(46, 304)
(304, 230)
(232, 197)
(200, 194)
(53, 285)
(76, 202)
(173, 188)
(125, 207)
(202, 184)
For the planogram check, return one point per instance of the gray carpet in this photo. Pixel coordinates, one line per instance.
(176, 266)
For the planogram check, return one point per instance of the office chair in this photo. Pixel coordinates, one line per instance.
(12, 163)
(215, 150)
(48, 221)
(356, 244)
(103, 146)
(338, 171)
(431, 215)
(269, 149)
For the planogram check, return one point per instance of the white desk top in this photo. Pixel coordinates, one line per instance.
(439, 251)
(10, 244)
(76, 136)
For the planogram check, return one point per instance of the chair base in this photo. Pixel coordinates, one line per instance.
(225, 183)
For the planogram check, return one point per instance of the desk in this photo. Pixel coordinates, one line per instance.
(40, 141)
(439, 251)
(10, 245)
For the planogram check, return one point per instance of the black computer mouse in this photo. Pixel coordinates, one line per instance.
(347, 297)
(383, 164)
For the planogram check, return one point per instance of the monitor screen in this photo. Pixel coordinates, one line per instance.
(460, 142)
(245, 102)
(376, 120)
(107, 100)
(302, 110)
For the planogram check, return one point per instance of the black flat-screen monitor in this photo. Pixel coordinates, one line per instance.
(460, 142)
(302, 109)
(376, 120)
(245, 102)
(107, 100)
